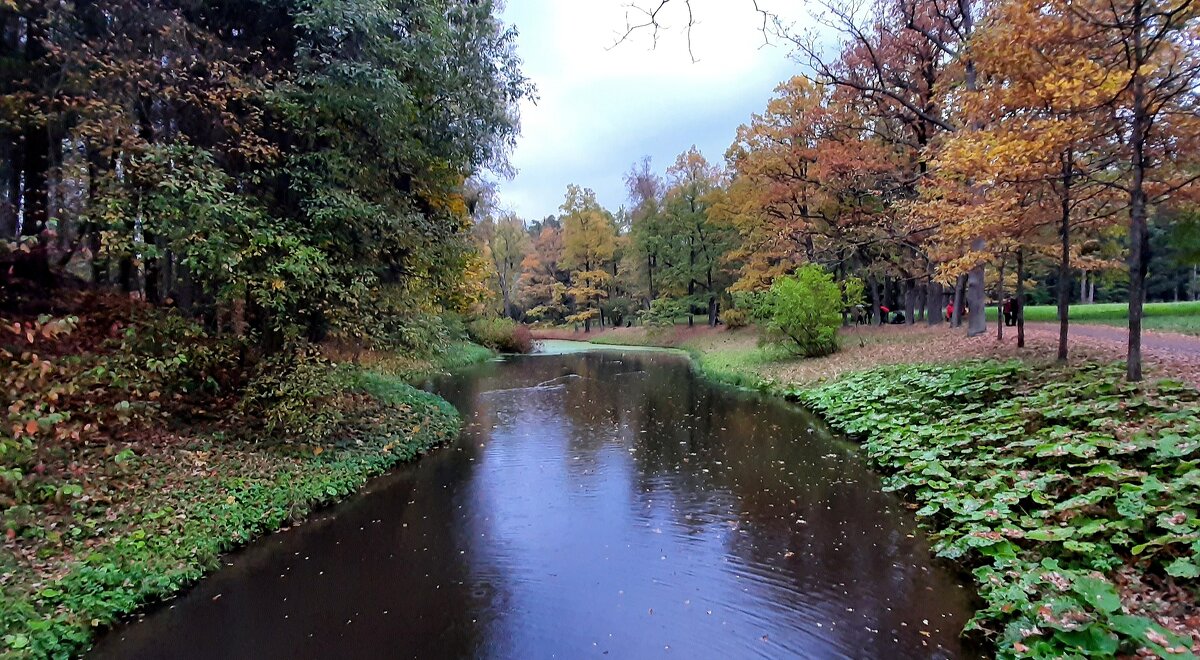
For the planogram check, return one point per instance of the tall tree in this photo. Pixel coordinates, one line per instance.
(503, 243)
(589, 245)
(1149, 48)
(695, 245)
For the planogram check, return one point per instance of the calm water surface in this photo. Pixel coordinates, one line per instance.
(597, 503)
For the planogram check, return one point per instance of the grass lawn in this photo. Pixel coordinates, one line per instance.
(1181, 317)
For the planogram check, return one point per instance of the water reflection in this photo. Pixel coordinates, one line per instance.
(597, 503)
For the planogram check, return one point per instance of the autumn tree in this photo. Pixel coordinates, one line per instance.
(1147, 48)
(543, 283)
(1037, 142)
(503, 243)
(773, 198)
(589, 245)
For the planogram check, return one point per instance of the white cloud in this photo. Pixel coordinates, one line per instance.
(602, 108)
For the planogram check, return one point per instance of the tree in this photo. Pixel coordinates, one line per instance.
(295, 167)
(646, 233)
(901, 60)
(589, 245)
(1148, 47)
(694, 246)
(773, 201)
(504, 244)
(542, 285)
(1033, 147)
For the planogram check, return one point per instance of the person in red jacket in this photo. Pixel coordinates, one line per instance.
(949, 310)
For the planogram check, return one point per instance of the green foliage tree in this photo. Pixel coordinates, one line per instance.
(690, 245)
(503, 244)
(284, 169)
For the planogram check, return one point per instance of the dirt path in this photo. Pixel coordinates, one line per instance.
(1152, 342)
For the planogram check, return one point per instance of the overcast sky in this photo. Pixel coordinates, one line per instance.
(600, 109)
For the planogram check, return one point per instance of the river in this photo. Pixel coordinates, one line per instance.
(600, 502)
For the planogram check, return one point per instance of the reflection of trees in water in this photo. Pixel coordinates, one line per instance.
(802, 518)
(447, 558)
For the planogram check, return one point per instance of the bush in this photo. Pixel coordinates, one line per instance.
(618, 310)
(663, 312)
(296, 394)
(735, 318)
(500, 334)
(804, 309)
(418, 332)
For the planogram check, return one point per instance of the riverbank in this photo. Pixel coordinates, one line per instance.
(1069, 495)
(158, 510)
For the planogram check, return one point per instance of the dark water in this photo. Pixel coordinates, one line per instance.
(606, 503)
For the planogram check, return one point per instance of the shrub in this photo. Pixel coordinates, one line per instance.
(618, 310)
(415, 331)
(853, 292)
(803, 309)
(663, 312)
(501, 334)
(296, 394)
(735, 318)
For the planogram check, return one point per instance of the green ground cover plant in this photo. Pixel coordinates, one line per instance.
(170, 513)
(1070, 494)
(137, 446)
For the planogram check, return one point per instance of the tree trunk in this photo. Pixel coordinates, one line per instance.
(1083, 282)
(1000, 304)
(910, 301)
(34, 199)
(1064, 259)
(956, 316)
(9, 178)
(1020, 298)
(976, 297)
(1139, 237)
(650, 275)
(875, 299)
(713, 308)
(841, 276)
(933, 300)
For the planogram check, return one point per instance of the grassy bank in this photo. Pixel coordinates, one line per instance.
(155, 512)
(1071, 496)
(1181, 317)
